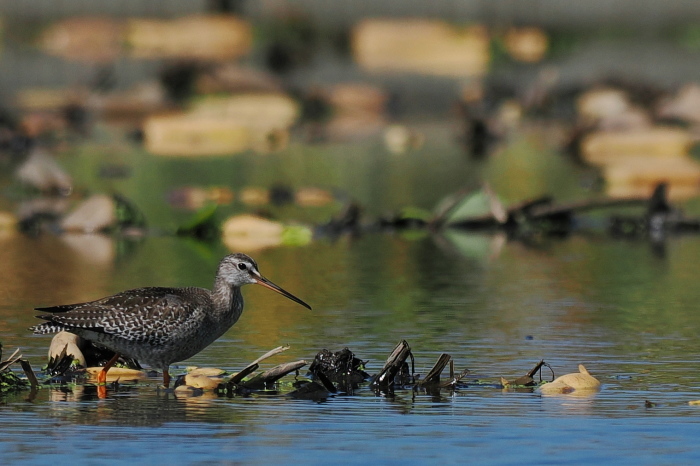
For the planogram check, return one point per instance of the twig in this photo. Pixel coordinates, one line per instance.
(272, 352)
(454, 379)
(11, 360)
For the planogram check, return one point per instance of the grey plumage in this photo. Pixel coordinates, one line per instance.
(160, 325)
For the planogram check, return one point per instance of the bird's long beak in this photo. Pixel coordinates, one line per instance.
(268, 284)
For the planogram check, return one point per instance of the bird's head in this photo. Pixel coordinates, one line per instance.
(239, 269)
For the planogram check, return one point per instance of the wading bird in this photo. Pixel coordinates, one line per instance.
(157, 325)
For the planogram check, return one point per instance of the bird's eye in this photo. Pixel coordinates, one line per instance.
(242, 266)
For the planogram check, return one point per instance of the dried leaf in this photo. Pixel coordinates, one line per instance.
(581, 381)
(115, 374)
(202, 381)
(206, 371)
(27, 368)
(433, 376)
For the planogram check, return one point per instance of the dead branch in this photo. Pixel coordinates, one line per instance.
(272, 352)
(270, 376)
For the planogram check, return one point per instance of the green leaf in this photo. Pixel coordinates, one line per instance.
(296, 235)
(472, 205)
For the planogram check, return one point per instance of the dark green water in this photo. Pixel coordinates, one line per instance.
(622, 308)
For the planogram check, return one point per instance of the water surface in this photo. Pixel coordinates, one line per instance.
(623, 308)
(571, 302)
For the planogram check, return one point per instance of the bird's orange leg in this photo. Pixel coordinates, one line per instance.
(102, 375)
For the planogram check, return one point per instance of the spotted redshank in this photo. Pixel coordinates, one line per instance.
(160, 326)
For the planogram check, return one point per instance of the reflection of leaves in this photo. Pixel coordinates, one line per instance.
(415, 213)
(128, 215)
(470, 244)
(414, 234)
(202, 225)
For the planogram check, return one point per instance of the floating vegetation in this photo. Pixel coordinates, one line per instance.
(10, 381)
(330, 374)
(527, 380)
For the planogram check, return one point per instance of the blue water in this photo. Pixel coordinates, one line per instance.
(626, 314)
(507, 429)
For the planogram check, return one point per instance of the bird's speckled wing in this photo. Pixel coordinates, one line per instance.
(148, 315)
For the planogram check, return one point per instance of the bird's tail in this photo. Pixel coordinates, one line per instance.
(46, 328)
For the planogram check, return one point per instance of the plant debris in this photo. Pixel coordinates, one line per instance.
(330, 374)
(339, 366)
(527, 380)
(11, 382)
(581, 382)
(395, 370)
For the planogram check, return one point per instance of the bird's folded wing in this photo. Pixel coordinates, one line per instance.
(139, 315)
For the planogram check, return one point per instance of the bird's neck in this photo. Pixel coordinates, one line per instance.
(227, 299)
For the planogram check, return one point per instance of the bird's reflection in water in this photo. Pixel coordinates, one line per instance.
(130, 405)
